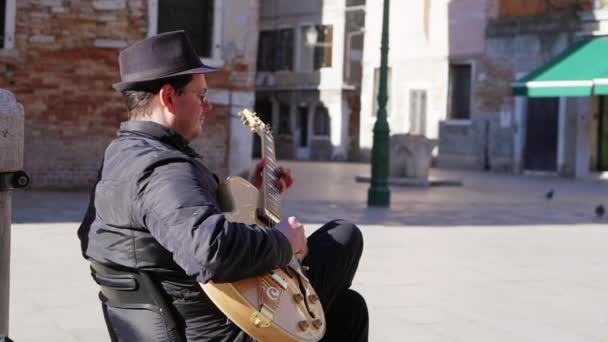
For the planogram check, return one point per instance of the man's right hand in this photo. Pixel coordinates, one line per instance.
(294, 231)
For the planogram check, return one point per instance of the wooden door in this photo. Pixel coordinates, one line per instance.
(302, 136)
(603, 135)
(541, 134)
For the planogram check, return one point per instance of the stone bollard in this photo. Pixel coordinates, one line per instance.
(410, 156)
(11, 162)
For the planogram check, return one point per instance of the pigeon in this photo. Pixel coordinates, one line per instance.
(549, 195)
(600, 211)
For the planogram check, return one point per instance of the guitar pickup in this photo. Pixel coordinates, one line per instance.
(266, 217)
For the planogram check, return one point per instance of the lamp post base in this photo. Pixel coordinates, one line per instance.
(378, 197)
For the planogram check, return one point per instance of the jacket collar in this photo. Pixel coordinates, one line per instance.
(156, 131)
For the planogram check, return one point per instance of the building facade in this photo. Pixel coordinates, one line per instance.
(60, 59)
(434, 49)
(308, 76)
(544, 128)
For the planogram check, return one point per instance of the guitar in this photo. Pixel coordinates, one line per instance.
(280, 305)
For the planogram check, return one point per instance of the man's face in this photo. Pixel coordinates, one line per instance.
(191, 108)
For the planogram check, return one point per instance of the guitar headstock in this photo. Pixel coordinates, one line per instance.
(252, 121)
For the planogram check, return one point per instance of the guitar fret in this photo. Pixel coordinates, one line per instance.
(272, 202)
(272, 205)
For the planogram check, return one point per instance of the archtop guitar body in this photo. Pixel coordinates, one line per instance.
(280, 305)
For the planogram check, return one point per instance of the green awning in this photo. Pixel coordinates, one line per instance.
(581, 70)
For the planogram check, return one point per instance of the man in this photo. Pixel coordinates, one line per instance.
(153, 229)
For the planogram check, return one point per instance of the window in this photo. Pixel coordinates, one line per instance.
(284, 52)
(459, 98)
(322, 121)
(275, 50)
(201, 19)
(316, 47)
(7, 23)
(417, 111)
(376, 88)
(265, 51)
(194, 16)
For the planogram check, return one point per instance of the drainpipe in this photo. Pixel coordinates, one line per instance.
(11, 178)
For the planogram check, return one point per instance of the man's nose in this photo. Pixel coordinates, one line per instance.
(207, 106)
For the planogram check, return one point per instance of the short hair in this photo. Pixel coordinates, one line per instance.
(139, 99)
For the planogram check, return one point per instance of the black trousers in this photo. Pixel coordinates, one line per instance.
(333, 258)
(334, 253)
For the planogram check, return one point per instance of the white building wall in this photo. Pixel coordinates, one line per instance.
(330, 87)
(417, 61)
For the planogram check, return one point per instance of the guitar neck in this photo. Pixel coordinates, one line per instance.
(270, 187)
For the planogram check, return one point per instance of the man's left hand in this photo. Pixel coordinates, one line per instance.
(283, 174)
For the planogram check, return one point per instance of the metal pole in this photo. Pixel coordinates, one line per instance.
(11, 161)
(5, 255)
(379, 194)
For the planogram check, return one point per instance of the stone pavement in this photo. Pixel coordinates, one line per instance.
(493, 260)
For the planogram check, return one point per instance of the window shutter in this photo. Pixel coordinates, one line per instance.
(287, 38)
(417, 111)
(266, 51)
(323, 50)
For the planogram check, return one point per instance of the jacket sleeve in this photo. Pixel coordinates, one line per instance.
(182, 214)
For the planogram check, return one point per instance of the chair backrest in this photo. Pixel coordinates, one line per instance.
(123, 287)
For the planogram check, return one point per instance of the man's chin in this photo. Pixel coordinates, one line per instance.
(198, 133)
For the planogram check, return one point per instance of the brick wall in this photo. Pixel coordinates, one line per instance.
(62, 69)
(63, 81)
(516, 8)
(212, 145)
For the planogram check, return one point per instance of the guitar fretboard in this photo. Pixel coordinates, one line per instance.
(272, 194)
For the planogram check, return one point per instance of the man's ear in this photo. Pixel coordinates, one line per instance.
(166, 95)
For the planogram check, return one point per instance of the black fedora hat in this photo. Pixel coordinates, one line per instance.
(157, 57)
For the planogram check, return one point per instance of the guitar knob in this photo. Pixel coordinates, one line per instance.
(303, 325)
(298, 297)
(317, 323)
(313, 298)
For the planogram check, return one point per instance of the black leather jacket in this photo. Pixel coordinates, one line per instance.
(155, 209)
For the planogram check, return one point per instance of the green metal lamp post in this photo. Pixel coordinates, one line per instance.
(379, 194)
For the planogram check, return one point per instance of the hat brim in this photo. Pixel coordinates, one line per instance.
(134, 85)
